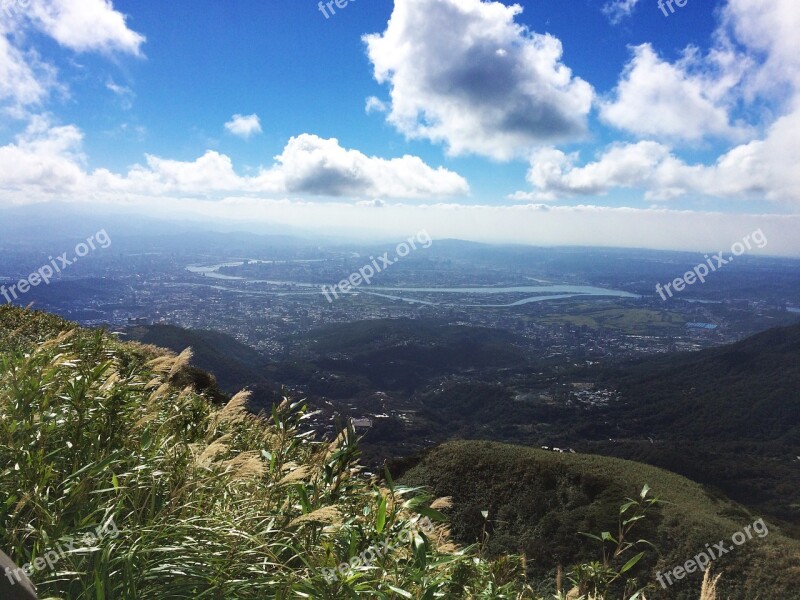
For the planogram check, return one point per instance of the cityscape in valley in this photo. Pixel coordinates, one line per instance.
(538, 323)
(400, 300)
(579, 303)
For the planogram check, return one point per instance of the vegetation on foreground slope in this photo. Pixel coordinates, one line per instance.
(208, 501)
(537, 499)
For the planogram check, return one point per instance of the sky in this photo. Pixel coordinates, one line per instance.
(631, 123)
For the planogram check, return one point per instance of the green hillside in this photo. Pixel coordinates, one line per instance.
(398, 354)
(748, 391)
(537, 500)
(234, 365)
(727, 416)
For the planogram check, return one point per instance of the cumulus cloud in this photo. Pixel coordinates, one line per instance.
(313, 165)
(768, 29)
(753, 62)
(753, 56)
(211, 173)
(46, 158)
(43, 159)
(244, 126)
(554, 173)
(762, 169)
(88, 25)
(617, 10)
(687, 100)
(308, 165)
(465, 73)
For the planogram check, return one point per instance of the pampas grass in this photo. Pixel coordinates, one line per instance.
(709, 589)
(327, 515)
(442, 503)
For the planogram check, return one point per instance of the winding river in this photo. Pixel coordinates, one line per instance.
(545, 292)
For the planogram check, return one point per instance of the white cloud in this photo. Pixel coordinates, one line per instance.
(244, 126)
(688, 100)
(617, 10)
(374, 105)
(213, 172)
(762, 169)
(554, 174)
(24, 79)
(43, 160)
(313, 165)
(124, 94)
(465, 73)
(47, 162)
(754, 59)
(753, 55)
(88, 25)
(768, 28)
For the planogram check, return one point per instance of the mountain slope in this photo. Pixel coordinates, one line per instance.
(728, 417)
(234, 365)
(748, 391)
(398, 354)
(537, 500)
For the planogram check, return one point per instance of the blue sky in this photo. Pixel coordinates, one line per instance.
(550, 108)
